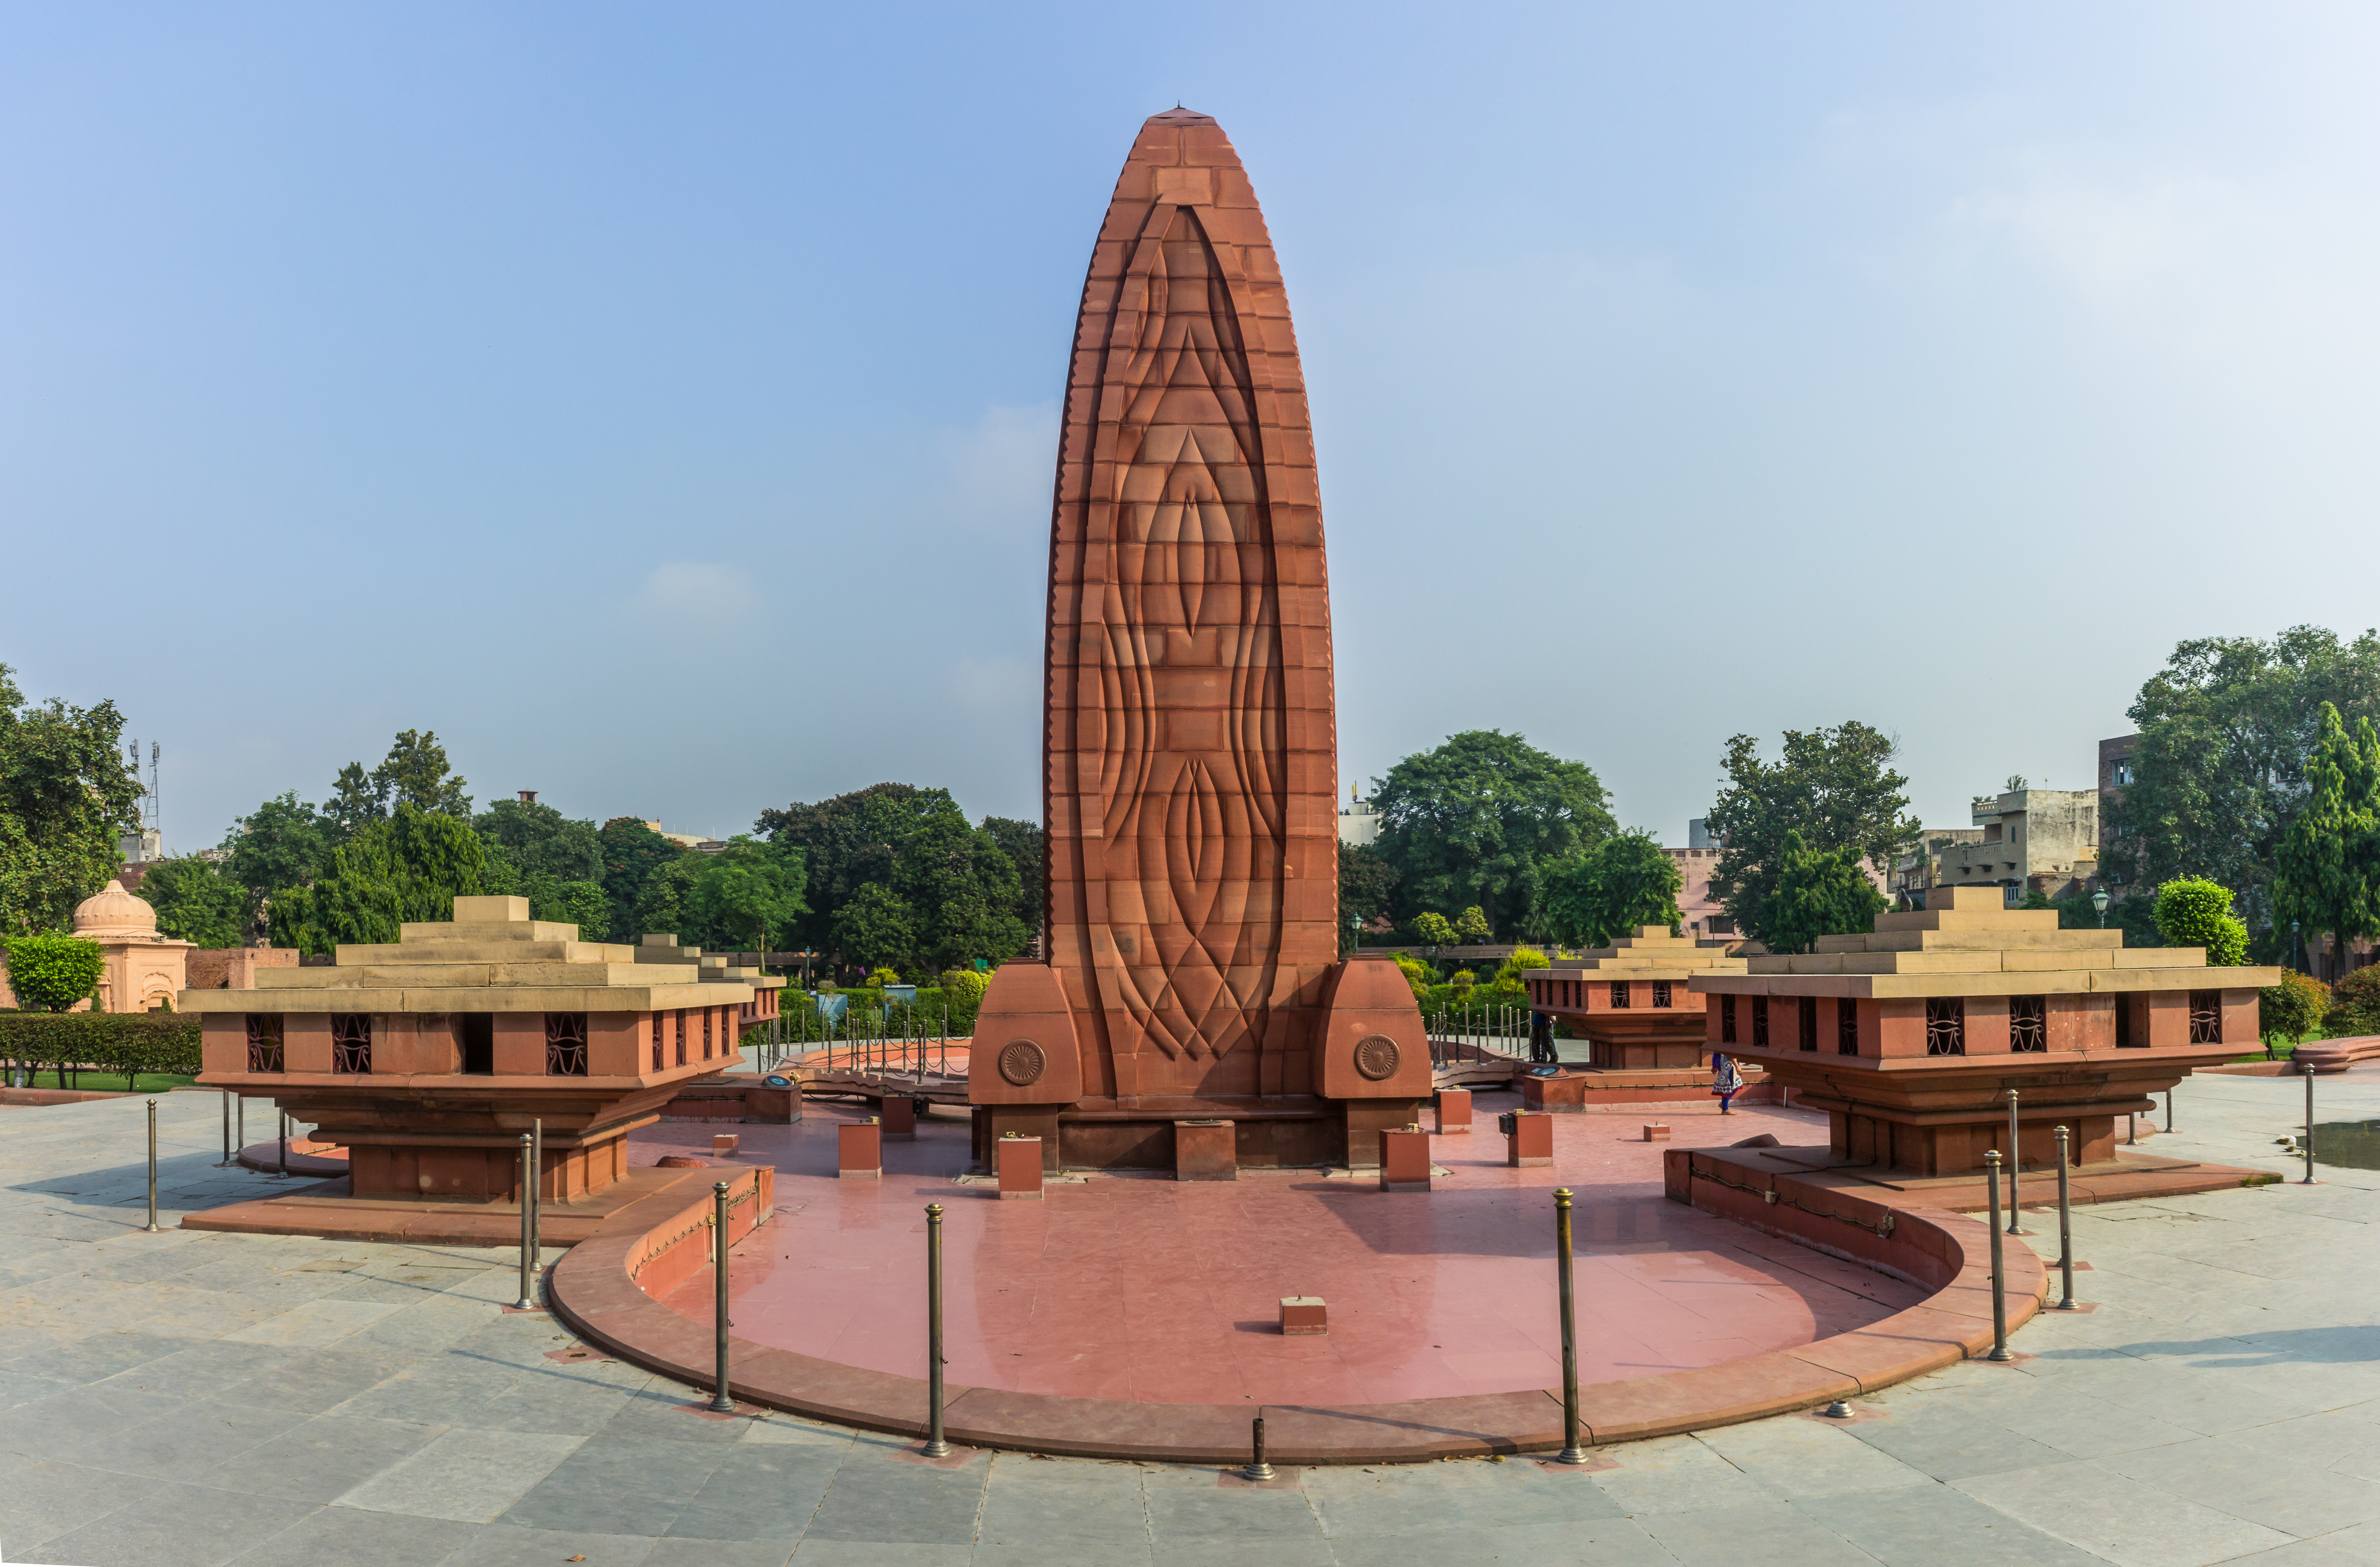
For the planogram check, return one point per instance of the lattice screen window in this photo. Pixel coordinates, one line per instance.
(1661, 995)
(1806, 1017)
(2206, 1017)
(1945, 1025)
(1727, 1020)
(1619, 994)
(351, 1042)
(1760, 1023)
(681, 1035)
(565, 1044)
(2029, 1023)
(1846, 1025)
(657, 1041)
(706, 1032)
(264, 1053)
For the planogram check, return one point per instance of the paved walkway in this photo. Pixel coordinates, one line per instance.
(194, 1398)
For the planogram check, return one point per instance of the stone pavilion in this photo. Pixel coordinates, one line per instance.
(427, 1059)
(1630, 999)
(1909, 1036)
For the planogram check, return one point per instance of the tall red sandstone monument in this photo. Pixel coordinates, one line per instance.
(1189, 775)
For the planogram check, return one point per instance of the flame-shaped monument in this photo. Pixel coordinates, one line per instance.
(1189, 770)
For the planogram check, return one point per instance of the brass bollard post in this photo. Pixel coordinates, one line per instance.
(1257, 1468)
(527, 1301)
(228, 1161)
(537, 1191)
(1999, 1269)
(722, 1402)
(151, 1228)
(1571, 1452)
(2065, 1227)
(936, 1445)
(2308, 1070)
(2168, 1110)
(2013, 1160)
(283, 1173)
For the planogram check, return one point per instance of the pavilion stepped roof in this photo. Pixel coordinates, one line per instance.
(1969, 944)
(492, 957)
(1652, 953)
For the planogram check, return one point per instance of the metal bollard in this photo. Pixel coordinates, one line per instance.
(228, 1159)
(936, 1445)
(239, 1122)
(153, 1168)
(1572, 1452)
(536, 1192)
(722, 1402)
(2308, 1070)
(2065, 1227)
(1999, 1267)
(2168, 1110)
(1257, 1468)
(283, 1173)
(2013, 1162)
(527, 1301)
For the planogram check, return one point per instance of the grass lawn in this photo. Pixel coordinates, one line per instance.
(108, 1082)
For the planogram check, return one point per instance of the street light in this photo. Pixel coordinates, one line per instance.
(2099, 902)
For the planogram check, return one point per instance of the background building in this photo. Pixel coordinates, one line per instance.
(2030, 840)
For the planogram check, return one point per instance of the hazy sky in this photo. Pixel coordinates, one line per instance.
(659, 401)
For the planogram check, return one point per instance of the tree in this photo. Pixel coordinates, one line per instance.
(1432, 931)
(1523, 959)
(2194, 912)
(283, 843)
(662, 906)
(536, 852)
(1473, 926)
(195, 902)
(66, 796)
(1475, 820)
(633, 855)
(2354, 1005)
(950, 888)
(746, 890)
(1610, 890)
(1835, 788)
(2294, 1008)
(1367, 883)
(414, 772)
(1818, 892)
(2220, 770)
(2327, 867)
(1022, 843)
(52, 973)
(406, 869)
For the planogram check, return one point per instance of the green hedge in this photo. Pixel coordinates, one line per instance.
(121, 1043)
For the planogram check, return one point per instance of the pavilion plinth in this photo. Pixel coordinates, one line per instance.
(1910, 1037)
(429, 1058)
(1642, 1022)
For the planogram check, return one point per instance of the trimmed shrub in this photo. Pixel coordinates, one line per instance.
(2354, 1005)
(2194, 912)
(52, 973)
(2294, 1008)
(109, 1042)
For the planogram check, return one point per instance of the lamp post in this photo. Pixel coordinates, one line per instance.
(2099, 904)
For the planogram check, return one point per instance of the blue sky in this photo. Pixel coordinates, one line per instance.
(658, 402)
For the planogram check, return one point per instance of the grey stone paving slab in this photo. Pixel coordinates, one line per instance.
(2289, 1492)
(507, 1544)
(719, 1553)
(1206, 1552)
(41, 1499)
(1948, 1438)
(1799, 1457)
(187, 1526)
(1937, 1526)
(879, 1493)
(1675, 1475)
(758, 1492)
(181, 1443)
(1771, 1533)
(619, 1485)
(349, 1539)
(1354, 1502)
(2117, 1518)
(322, 1458)
(463, 1476)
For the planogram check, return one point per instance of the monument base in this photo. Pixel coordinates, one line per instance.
(1594, 1088)
(1275, 1132)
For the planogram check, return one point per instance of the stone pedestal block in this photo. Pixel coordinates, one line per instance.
(1304, 1317)
(1020, 1168)
(1656, 1132)
(1404, 1161)
(860, 1151)
(1453, 1110)
(1531, 1141)
(900, 1119)
(1206, 1150)
(725, 1144)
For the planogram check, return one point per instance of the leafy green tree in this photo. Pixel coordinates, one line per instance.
(633, 853)
(536, 852)
(2220, 770)
(662, 907)
(1475, 820)
(1523, 958)
(52, 973)
(2294, 1008)
(2326, 868)
(283, 843)
(407, 867)
(1818, 892)
(574, 903)
(1834, 788)
(949, 891)
(66, 796)
(415, 772)
(2354, 1005)
(1622, 884)
(2194, 912)
(195, 902)
(1473, 926)
(746, 890)
(876, 928)
(1367, 883)
(1021, 842)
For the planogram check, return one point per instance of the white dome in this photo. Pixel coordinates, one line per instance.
(111, 912)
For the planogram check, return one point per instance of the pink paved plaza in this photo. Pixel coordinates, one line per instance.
(1147, 1288)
